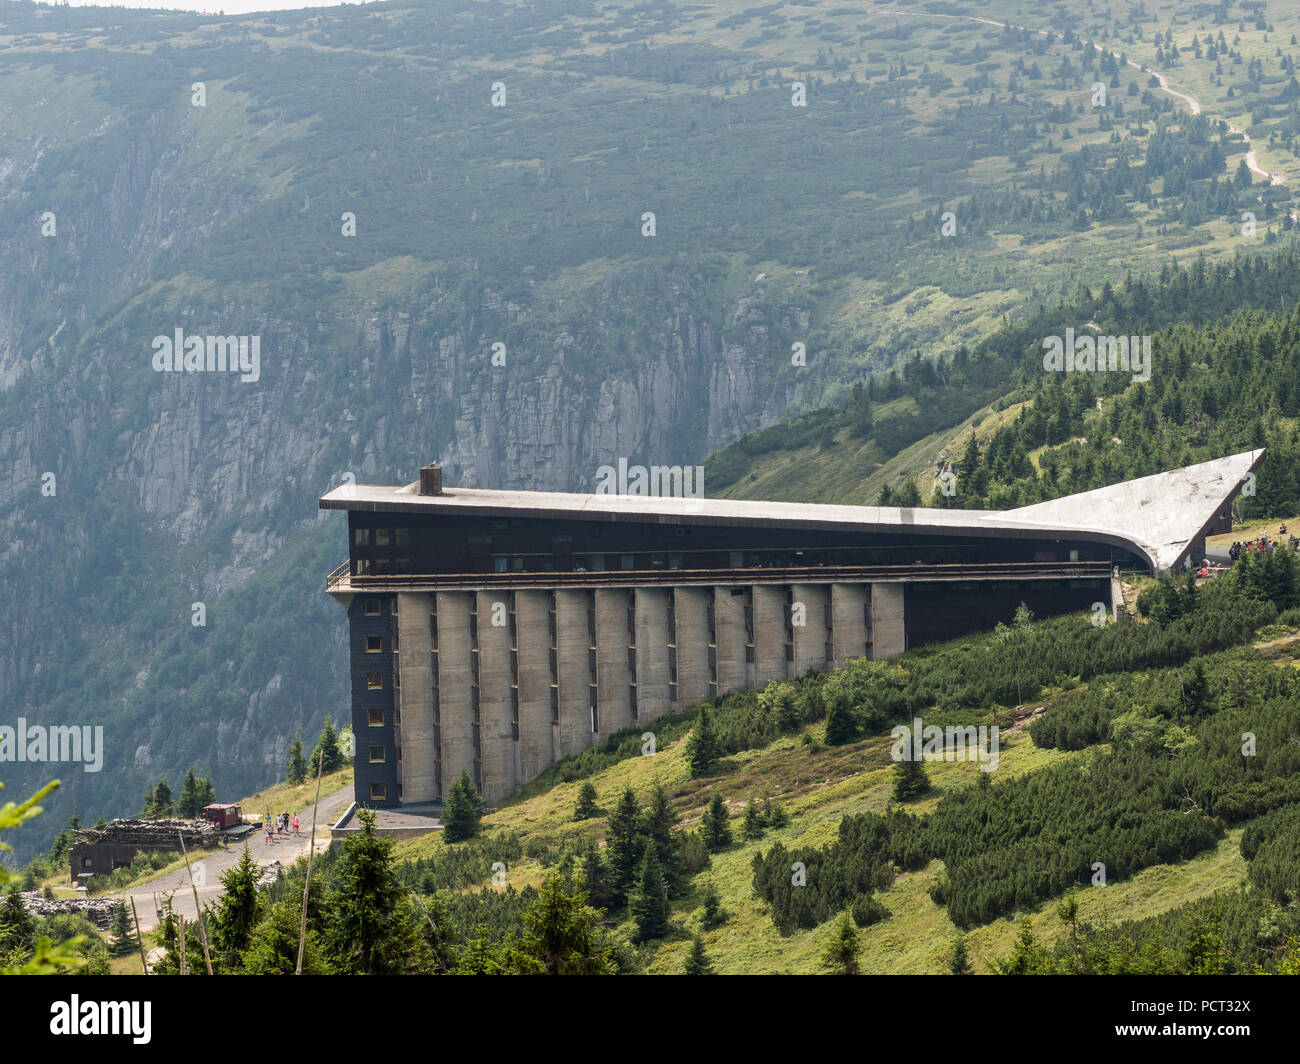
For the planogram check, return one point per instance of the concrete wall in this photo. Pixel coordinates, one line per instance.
(769, 633)
(495, 708)
(415, 658)
(810, 637)
(848, 608)
(729, 631)
(692, 644)
(888, 632)
(613, 638)
(455, 690)
(651, 653)
(574, 673)
(536, 749)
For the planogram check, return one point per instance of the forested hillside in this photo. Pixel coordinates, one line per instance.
(679, 223)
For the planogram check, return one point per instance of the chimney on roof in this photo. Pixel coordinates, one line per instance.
(431, 480)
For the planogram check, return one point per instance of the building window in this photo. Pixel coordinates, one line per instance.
(381, 537)
(363, 567)
(374, 681)
(376, 755)
(87, 862)
(403, 537)
(374, 644)
(378, 792)
(361, 537)
(403, 567)
(372, 607)
(383, 567)
(375, 717)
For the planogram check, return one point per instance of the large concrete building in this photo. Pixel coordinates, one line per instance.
(499, 631)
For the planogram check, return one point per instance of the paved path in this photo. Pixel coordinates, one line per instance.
(209, 865)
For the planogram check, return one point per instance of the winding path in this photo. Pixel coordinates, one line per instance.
(1193, 105)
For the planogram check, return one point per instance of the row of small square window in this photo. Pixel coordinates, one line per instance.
(381, 537)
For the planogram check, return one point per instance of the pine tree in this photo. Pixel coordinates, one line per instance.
(562, 933)
(649, 904)
(595, 877)
(371, 928)
(697, 961)
(910, 779)
(840, 725)
(658, 827)
(328, 747)
(274, 949)
(842, 956)
(586, 807)
(958, 961)
(460, 817)
(121, 929)
(16, 925)
(713, 915)
(188, 808)
(624, 847)
(163, 806)
(238, 911)
(296, 770)
(752, 825)
(702, 746)
(715, 826)
(207, 792)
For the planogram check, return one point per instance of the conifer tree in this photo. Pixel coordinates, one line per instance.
(752, 825)
(238, 911)
(327, 746)
(274, 949)
(649, 904)
(295, 771)
(842, 956)
(163, 806)
(586, 807)
(659, 824)
(840, 725)
(122, 942)
(715, 826)
(371, 928)
(958, 961)
(910, 778)
(595, 877)
(187, 807)
(562, 933)
(697, 961)
(624, 847)
(460, 818)
(702, 746)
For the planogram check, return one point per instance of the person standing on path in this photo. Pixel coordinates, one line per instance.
(295, 825)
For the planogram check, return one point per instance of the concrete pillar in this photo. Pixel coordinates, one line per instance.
(810, 637)
(769, 633)
(572, 653)
(495, 706)
(455, 688)
(888, 633)
(692, 616)
(418, 761)
(729, 632)
(536, 753)
(651, 653)
(613, 639)
(848, 608)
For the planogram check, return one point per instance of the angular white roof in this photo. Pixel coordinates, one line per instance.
(1158, 517)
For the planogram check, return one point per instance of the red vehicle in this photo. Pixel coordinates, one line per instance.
(223, 815)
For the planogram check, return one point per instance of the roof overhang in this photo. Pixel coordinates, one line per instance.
(1157, 517)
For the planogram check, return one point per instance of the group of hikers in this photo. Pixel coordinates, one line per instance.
(280, 826)
(1263, 544)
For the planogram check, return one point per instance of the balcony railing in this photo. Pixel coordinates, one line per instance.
(341, 580)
